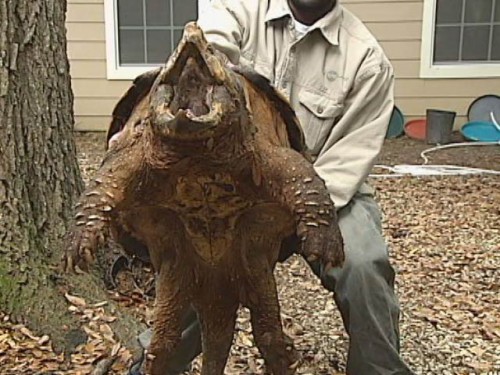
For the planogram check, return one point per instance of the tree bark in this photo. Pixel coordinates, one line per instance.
(39, 174)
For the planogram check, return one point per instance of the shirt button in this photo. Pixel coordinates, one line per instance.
(284, 85)
(320, 110)
(331, 75)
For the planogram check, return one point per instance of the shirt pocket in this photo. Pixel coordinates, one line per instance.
(317, 114)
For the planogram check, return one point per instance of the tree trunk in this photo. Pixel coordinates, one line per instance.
(39, 175)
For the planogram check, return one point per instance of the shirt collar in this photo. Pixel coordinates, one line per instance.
(329, 24)
(277, 9)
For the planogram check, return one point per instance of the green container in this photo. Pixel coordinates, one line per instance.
(396, 124)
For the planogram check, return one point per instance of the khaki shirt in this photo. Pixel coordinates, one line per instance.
(336, 77)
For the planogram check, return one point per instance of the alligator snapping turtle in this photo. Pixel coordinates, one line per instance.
(210, 174)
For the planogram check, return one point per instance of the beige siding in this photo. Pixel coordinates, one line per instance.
(95, 69)
(89, 11)
(87, 55)
(85, 31)
(396, 23)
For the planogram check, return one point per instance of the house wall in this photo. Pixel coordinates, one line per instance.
(396, 23)
(94, 95)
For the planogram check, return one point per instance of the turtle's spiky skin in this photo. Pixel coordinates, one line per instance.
(209, 173)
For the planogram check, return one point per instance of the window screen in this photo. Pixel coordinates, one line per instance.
(148, 30)
(467, 31)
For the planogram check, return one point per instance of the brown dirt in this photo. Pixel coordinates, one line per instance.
(443, 235)
(404, 150)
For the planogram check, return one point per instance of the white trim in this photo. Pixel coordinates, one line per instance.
(430, 70)
(113, 70)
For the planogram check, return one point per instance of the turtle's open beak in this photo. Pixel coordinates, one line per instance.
(184, 100)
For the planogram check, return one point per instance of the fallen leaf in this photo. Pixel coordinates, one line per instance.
(77, 301)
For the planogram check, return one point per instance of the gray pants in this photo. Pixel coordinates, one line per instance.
(364, 293)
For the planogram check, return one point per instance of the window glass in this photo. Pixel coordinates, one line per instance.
(131, 46)
(475, 43)
(478, 11)
(130, 13)
(495, 48)
(159, 45)
(447, 44)
(157, 12)
(184, 12)
(448, 11)
(148, 30)
(466, 31)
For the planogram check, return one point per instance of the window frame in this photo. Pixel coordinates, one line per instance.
(430, 70)
(113, 70)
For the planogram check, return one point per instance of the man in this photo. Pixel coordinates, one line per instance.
(340, 84)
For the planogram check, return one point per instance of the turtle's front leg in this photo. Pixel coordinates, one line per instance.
(291, 180)
(95, 209)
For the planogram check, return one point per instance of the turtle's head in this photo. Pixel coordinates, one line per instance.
(195, 92)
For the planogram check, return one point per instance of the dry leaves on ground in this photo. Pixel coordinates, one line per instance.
(443, 235)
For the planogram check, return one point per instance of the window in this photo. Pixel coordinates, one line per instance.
(141, 34)
(461, 39)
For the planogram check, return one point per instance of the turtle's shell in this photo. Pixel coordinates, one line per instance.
(143, 83)
(125, 106)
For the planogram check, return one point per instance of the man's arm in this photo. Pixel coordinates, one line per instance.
(344, 165)
(223, 24)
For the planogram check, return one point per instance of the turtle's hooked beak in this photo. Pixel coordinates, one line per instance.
(190, 95)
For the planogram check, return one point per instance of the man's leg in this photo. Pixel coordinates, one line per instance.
(364, 292)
